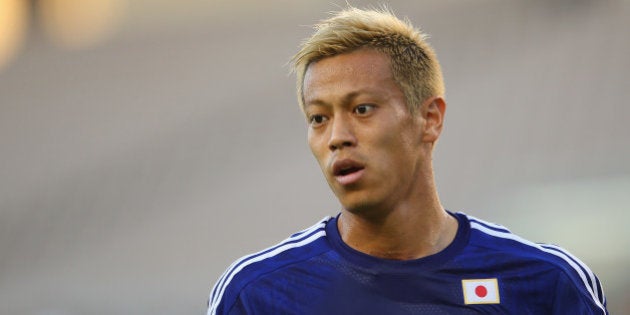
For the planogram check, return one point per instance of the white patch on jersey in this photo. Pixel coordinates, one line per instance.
(481, 291)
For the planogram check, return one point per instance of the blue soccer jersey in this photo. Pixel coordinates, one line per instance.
(485, 270)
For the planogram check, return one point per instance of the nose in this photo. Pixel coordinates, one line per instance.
(341, 134)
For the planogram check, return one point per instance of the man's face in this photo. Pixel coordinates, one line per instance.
(367, 142)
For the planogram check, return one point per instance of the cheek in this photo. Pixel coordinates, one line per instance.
(390, 140)
(399, 148)
(315, 144)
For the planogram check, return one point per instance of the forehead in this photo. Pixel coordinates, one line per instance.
(364, 69)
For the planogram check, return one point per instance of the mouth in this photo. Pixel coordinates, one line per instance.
(347, 171)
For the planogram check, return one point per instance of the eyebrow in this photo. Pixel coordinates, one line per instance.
(345, 100)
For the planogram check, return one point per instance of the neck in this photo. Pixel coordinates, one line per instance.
(407, 231)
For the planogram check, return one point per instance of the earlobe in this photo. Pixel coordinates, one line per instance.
(433, 110)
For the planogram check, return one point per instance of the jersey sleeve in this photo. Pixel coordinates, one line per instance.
(573, 297)
(238, 308)
(224, 298)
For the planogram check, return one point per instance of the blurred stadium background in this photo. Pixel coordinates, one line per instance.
(146, 144)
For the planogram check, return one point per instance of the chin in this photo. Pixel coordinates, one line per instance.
(360, 199)
(363, 206)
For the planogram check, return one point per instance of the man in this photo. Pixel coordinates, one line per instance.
(372, 92)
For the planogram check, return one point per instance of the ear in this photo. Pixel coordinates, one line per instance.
(432, 112)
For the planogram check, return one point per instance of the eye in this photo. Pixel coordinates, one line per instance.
(317, 119)
(364, 109)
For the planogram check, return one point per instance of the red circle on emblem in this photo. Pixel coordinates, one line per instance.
(481, 291)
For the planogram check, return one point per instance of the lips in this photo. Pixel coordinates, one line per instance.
(347, 171)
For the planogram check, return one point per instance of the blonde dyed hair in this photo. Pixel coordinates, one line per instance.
(414, 65)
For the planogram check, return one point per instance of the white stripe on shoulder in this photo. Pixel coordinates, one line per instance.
(238, 265)
(490, 224)
(315, 226)
(594, 283)
(221, 280)
(562, 255)
(262, 257)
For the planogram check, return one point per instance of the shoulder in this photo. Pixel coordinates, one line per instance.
(493, 239)
(241, 273)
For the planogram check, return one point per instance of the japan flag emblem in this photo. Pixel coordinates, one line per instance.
(481, 291)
